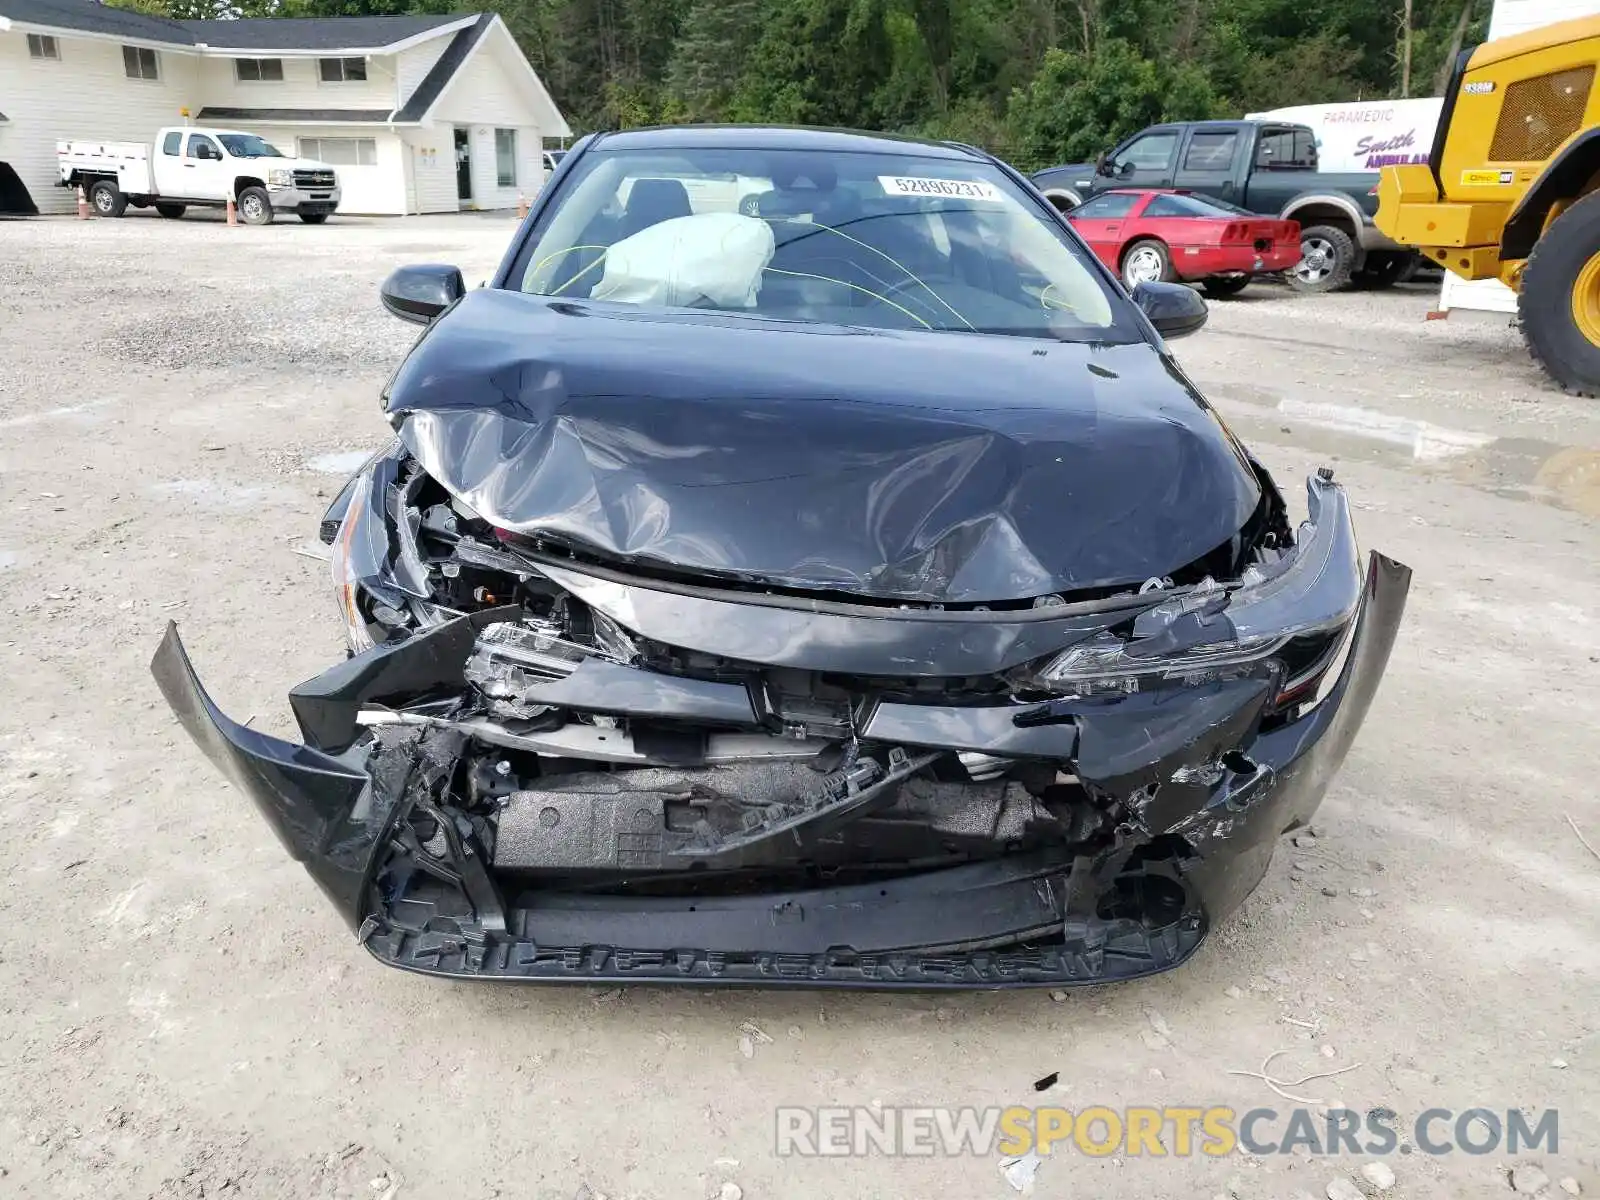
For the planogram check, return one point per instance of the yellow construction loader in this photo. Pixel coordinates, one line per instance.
(1509, 190)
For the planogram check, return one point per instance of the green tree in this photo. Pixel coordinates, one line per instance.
(1080, 104)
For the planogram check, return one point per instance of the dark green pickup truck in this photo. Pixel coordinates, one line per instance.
(1265, 167)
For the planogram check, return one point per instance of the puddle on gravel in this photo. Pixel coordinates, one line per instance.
(1515, 468)
(344, 462)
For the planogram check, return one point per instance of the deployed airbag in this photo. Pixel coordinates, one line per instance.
(710, 259)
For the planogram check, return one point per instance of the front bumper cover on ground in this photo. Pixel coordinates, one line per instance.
(1021, 920)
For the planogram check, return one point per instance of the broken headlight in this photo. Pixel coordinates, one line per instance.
(1289, 616)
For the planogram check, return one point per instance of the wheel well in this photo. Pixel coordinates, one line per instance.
(1571, 177)
(1064, 201)
(1141, 241)
(1323, 214)
(245, 181)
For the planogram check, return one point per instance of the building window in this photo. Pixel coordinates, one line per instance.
(342, 70)
(42, 45)
(258, 70)
(341, 152)
(140, 62)
(505, 157)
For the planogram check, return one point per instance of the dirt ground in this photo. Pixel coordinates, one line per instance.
(184, 1015)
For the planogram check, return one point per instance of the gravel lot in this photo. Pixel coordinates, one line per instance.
(186, 1017)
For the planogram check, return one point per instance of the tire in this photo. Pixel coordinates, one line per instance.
(1220, 287)
(172, 211)
(1146, 261)
(1328, 256)
(255, 208)
(1559, 305)
(750, 204)
(107, 199)
(1382, 269)
(314, 218)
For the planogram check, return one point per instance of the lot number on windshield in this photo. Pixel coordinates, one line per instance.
(904, 185)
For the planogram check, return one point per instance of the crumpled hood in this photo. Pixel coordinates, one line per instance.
(935, 467)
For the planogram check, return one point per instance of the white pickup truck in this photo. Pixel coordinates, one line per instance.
(188, 165)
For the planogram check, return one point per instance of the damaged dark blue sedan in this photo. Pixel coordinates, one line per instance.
(803, 564)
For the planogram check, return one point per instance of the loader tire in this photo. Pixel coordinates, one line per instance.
(1559, 304)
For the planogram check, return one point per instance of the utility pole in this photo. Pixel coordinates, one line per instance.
(1405, 52)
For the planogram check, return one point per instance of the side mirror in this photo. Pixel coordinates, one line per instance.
(1175, 310)
(420, 293)
(1126, 169)
(1100, 165)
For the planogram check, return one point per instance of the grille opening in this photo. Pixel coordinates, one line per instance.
(1539, 114)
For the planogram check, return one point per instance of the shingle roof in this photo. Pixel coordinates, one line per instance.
(91, 17)
(312, 33)
(420, 101)
(266, 33)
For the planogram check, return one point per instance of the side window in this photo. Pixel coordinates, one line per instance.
(341, 70)
(1106, 207)
(1286, 148)
(203, 147)
(1168, 206)
(1275, 148)
(1305, 149)
(170, 143)
(1152, 152)
(141, 62)
(1211, 151)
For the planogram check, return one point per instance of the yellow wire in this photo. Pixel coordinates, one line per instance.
(915, 278)
(853, 287)
(604, 250)
(1061, 306)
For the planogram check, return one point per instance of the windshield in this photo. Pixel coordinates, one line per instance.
(874, 240)
(248, 145)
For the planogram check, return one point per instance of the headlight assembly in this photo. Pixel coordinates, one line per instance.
(1289, 617)
(279, 177)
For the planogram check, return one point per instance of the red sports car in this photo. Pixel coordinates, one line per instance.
(1161, 234)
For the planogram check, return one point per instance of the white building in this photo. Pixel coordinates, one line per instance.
(418, 114)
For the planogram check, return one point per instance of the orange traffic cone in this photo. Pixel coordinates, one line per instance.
(233, 212)
(83, 204)
(522, 206)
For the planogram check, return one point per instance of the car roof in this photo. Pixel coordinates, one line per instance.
(779, 137)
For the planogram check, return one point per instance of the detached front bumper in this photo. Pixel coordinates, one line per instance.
(1209, 791)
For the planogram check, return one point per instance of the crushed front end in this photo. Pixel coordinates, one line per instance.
(538, 766)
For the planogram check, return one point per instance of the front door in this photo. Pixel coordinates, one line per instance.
(463, 166)
(1098, 221)
(1145, 162)
(204, 169)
